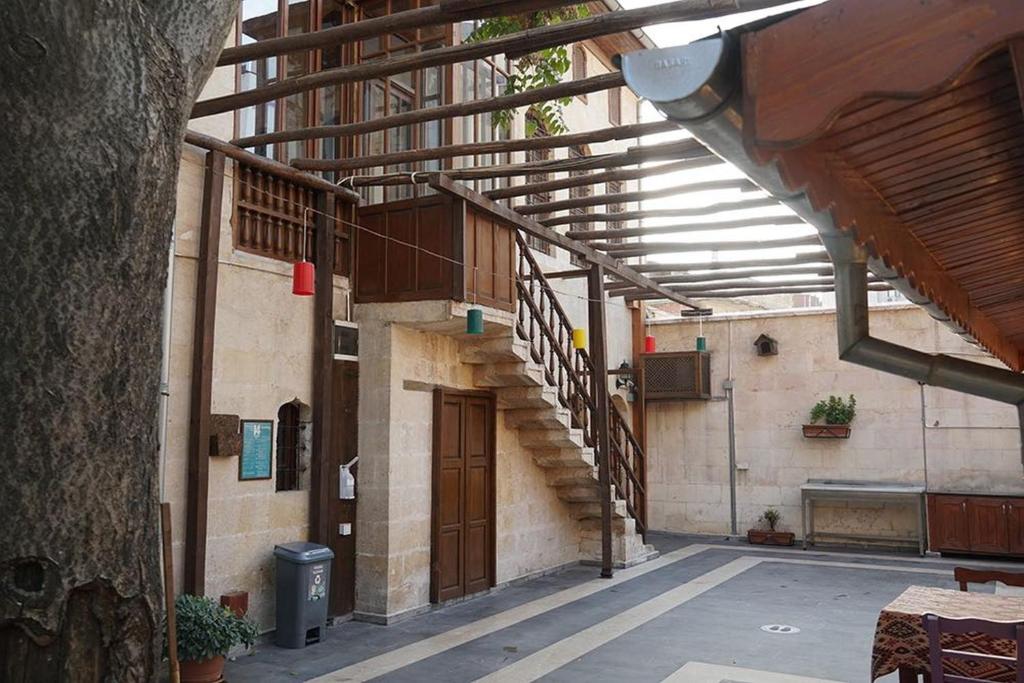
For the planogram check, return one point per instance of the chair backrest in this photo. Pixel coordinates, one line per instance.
(935, 626)
(966, 575)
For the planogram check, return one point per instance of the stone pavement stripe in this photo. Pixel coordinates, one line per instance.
(428, 647)
(699, 672)
(569, 649)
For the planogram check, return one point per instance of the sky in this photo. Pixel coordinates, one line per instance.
(680, 33)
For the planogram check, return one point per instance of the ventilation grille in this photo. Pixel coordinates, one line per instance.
(681, 375)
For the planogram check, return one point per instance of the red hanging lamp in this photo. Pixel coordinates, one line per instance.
(303, 272)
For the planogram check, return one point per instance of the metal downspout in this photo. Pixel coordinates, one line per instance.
(699, 86)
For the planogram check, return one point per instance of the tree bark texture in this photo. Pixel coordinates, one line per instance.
(96, 95)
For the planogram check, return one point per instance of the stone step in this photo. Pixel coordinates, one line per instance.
(564, 457)
(512, 374)
(515, 398)
(538, 418)
(497, 350)
(593, 510)
(571, 477)
(547, 439)
(580, 494)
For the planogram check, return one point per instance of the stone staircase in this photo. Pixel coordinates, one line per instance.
(503, 364)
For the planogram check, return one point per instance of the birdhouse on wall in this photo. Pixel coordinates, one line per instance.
(766, 346)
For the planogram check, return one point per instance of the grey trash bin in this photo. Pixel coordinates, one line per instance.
(303, 588)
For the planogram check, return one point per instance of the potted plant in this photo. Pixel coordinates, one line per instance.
(770, 536)
(206, 632)
(837, 415)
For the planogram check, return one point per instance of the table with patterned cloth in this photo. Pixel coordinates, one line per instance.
(901, 642)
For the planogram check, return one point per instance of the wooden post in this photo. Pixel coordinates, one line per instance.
(323, 357)
(638, 313)
(172, 626)
(599, 387)
(202, 377)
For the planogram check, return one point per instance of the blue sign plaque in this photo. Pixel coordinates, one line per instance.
(257, 446)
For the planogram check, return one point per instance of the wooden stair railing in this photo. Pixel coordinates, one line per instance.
(543, 324)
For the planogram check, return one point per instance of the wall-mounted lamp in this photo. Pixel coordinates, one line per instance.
(625, 379)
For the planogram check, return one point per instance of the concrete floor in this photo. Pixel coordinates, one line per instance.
(694, 614)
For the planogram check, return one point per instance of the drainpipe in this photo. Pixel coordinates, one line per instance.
(699, 86)
(165, 367)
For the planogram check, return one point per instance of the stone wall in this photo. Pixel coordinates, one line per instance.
(972, 444)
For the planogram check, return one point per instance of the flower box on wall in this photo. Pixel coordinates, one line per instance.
(827, 431)
(767, 537)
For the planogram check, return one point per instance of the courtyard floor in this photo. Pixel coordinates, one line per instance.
(692, 615)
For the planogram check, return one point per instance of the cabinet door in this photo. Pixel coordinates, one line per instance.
(987, 522)
(947, 523)
(1015, 525)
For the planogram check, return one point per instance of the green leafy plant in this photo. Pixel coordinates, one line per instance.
(206, 630)
(536, 70)
(835, 411)
(770, 517)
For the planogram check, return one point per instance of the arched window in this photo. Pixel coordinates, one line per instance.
(291, 447)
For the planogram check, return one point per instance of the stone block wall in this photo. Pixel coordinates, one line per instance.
(972, 444)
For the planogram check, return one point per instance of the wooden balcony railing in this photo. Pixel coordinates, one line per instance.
(542, 322)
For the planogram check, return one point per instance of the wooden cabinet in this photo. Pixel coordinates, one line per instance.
(987, 525)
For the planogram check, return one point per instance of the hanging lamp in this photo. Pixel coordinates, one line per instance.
(579, 338)
(650, 345)
(702, 341)
(303, 272)
(475, 315)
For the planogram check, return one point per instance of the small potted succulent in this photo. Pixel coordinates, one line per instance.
(206, 632)
(831, 418)
(771, 536)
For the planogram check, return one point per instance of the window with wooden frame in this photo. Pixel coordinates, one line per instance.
(532, 156)
(579, 192)
(615, 106)
(481, 80)
(615, 187)
(289, 448)
(579, 65)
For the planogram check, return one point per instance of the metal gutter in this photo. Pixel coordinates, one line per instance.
(699, 86)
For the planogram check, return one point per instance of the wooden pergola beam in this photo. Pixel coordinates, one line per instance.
(445, 12)
(735, 293)
(648, 248)
(636, 196)
(613, 268)
(617, 175)
(766, 222)
(818, 257)
(720, 276)
(695, 289)
(270, 166)
(583, 86)
(643, 214)
(492, 147)
(516, 43)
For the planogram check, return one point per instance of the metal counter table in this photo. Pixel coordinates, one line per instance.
(861, 492)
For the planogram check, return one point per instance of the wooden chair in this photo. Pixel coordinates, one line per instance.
(936, 626)
(965, 575)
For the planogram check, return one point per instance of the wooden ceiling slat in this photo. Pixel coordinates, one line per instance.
(932, 200)
(983, 210)
(1005, 187)
(915, 172)
(951, 177)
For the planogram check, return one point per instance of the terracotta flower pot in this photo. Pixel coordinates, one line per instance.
(765, 537)
(207, 671)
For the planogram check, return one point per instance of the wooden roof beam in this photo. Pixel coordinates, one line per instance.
(583, 86)
(492, 147)
(445, 12)
(614, 268)
(819, 257)
(523, 42)
(736, 293)
(270, 166)
(617, 175)
(766, 222)
(637, 196)
(694, 289)
(716, 276)
(648, 248)
(643, 214)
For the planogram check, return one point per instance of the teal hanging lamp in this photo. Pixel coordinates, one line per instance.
(475, 315)
(702, 341)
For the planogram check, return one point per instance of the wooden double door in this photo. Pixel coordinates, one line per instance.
(462, 554)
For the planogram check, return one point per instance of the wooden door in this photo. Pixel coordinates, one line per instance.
(341, 515)
(987, 522)
(947, 523)
(1015, 525)
(463, 509)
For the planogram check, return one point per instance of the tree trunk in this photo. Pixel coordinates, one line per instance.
(95, 98)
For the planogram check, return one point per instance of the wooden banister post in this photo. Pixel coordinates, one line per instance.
(599, 387)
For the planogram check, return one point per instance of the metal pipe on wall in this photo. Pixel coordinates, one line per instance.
(165, 367)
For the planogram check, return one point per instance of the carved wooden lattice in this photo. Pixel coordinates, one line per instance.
(679, 375)
(269, 216)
